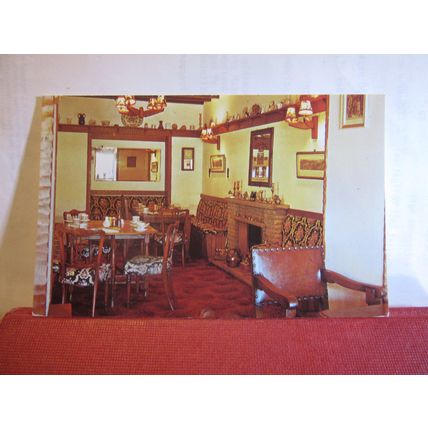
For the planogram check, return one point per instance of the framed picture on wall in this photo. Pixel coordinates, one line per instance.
(187, 159)
(310, 165)
(218, 163)
(352, 111)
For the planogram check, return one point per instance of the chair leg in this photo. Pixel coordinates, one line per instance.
(106, 287)
(128, 290)
(64, 288)
(94, 298)
(145, 287)
(167, 283)
(182, 255)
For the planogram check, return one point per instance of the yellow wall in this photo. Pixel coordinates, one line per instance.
(186, 186)
(70, 192)
(302, 194)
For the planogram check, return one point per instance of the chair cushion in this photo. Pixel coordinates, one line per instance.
(85, 277)
(207, 228)
(145, 265)
(177, 240)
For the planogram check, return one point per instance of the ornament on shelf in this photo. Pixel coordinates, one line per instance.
(81, 117)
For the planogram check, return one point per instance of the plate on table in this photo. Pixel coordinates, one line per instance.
(141, 227)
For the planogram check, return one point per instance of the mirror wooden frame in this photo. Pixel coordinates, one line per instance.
(261, 144)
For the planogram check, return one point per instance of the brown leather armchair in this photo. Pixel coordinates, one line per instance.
(297, 280)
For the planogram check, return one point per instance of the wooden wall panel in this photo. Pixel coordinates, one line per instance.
(45, 218)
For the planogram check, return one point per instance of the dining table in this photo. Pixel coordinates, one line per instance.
(128, 231)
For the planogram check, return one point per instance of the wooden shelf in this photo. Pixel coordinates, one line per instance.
(241, 273)
(124, 130)
(278, 115)
(319, 105)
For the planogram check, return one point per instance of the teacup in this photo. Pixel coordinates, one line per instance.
(145, 210)
(135, 218)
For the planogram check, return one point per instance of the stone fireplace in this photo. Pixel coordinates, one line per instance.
(242, 213)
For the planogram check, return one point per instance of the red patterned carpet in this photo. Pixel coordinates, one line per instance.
(202, 291)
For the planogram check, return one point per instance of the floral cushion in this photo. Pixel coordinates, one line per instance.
(145, 265)
(177, 240)
(84, 277)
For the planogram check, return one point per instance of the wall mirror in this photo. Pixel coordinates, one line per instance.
(260, 167)
(123, 164)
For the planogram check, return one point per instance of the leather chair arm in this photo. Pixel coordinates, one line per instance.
(374, 294)
(281, 296)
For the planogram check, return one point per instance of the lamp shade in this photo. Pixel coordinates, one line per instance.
(305, 108)
(291, 114)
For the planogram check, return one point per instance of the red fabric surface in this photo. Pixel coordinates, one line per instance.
(394, 345)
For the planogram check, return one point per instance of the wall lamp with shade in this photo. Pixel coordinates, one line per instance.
(208, 136)
(304, 118)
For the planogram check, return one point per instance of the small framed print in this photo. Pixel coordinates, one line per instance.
(187, 159)
(310, 165)
(218, 163)
(352, 111)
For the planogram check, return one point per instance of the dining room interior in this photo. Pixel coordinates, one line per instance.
(217, 206)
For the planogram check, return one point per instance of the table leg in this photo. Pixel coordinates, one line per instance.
(113, 270)
(146, 241)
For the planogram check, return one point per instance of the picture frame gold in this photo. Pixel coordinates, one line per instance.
(310, 165)
(217, 163)
(353, 109)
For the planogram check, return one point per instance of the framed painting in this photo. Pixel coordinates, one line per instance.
(218, 163)
(187, 159)
(352, 111)
(310, 165)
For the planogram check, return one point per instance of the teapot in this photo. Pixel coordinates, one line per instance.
(81, 117)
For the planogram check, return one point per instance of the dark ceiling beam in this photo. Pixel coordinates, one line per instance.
(179, 99)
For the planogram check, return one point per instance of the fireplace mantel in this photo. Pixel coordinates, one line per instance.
(256, 204)
(242, 212)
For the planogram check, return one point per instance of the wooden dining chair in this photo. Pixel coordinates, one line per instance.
(125, 211)
(182, 239)
(79, 265)
(144, 267)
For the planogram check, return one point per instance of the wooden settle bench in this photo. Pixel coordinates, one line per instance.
(209, 227)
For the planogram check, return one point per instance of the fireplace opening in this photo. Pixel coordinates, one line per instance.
(254, 235)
